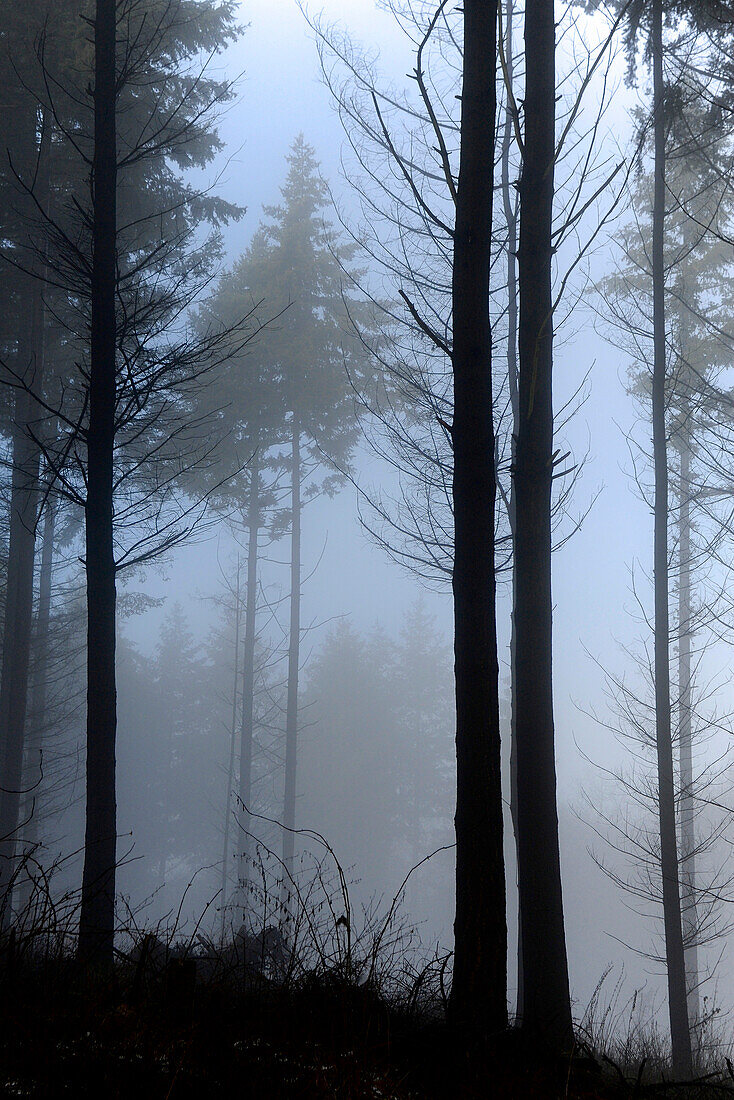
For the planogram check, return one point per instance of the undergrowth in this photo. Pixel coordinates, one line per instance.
(302, 999)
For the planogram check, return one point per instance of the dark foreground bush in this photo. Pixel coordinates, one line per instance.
(65, 1032)
(296, 1003)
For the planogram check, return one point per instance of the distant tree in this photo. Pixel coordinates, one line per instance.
(246, 405)
(233, 704)
(310, 359)
(425, 767)
(178, 680)
(698, 425)
(377, 758)
(174, 714)
(350, 753)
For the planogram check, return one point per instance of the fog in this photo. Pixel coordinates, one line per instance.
(351, 722)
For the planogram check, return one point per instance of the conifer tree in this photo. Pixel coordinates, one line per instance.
(293, 403)
(698, 429)
(133, 112)
(646, 21)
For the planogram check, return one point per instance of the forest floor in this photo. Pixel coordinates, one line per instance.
(64, 1034)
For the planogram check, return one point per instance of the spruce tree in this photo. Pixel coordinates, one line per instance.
(293, 404)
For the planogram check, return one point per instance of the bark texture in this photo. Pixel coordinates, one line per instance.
(510, 212)
(546, 1001)
(96, 926)
(247, 728)
(479, 992)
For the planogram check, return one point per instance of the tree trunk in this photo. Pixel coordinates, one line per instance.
(33, 772)
(546, 999)
(479, 991)
(291, 724)
(17, 638)
(232, 738)
(24, 499)
(685, 686)
(97, 919)
(247, 729)
(677, 1004)
(510, 212)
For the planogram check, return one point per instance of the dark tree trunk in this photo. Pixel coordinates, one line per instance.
(674, 955)
(479, 991)
(32, 771)
(294, 648)
(510, 212)
(97, 919)
(24, 500)
(546, 1000)
(685, 733)
(247, 729)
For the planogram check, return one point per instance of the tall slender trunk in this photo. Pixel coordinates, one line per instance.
(510, 212)
(294, 647)
(32, 771)
(685, 686)
(97, 918)
(546, 999)
(674, 955)
(24, 500)
(247, 729)
(17, 638)
(164, 794)
(232, 739)
(479, 991)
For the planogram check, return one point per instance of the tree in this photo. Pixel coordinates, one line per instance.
(316, 351)
(546, 1000)
(96, 923)
(648, 21)
(677, 1000)
(33, 765)
(298, 271)
(247, 406)
(31, 152)
(409, 209)
(378, 760)
(36, 178)
(131, 287)
(351, 750)
(479, 989)
(425, 712)
(697, 436)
